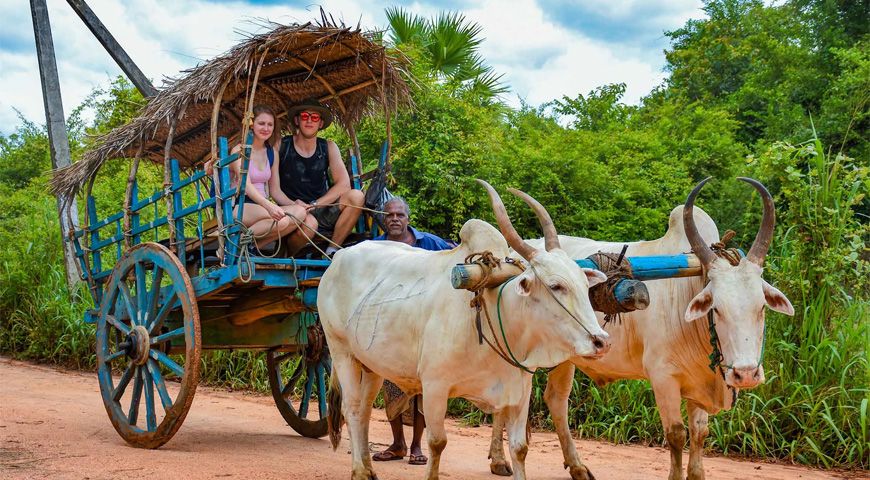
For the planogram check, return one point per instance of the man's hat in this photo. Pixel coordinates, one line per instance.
(311, 104)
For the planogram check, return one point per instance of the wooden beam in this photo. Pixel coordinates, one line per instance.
(55, 121)
(113, 47)
(263, 304)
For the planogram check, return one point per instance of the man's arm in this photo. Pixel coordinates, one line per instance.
(340, 178)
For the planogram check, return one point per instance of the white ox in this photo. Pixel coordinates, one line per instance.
(665, 343)
(389, 311)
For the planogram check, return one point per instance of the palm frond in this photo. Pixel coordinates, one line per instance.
(406, 27)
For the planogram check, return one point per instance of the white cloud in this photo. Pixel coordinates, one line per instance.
(541, 60)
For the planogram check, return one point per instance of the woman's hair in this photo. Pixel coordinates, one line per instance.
(276, 132)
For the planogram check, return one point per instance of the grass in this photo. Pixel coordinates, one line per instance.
(812, 410)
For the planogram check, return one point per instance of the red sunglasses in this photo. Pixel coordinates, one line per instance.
(305, 116)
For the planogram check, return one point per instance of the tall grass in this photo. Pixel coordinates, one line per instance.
(813, 409)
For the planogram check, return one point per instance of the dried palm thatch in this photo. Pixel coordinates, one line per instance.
(346, 68)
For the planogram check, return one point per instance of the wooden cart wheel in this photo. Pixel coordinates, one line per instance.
(133, 340)
(308, 382)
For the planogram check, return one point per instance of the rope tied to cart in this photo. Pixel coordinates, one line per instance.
(614, 266)
(247, 238)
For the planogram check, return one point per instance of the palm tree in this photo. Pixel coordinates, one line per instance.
(449, 43)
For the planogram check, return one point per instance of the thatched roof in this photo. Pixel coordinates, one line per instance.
(344, 67)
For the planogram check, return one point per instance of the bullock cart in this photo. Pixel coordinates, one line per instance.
(168, 269)
(170, 273)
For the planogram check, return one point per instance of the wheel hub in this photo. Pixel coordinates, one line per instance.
(138, 345)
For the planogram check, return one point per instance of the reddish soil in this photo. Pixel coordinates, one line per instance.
(53, 425)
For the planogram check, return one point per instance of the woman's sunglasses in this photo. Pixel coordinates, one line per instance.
(305, 116)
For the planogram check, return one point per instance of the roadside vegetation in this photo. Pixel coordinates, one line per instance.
(779, 93)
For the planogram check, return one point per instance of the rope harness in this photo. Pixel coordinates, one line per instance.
(717, 359)
(489, 262)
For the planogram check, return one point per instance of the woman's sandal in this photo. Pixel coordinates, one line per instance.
(417, 459)
(387, 456)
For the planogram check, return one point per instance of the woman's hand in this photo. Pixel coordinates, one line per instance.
(276, 212)
(208, 167)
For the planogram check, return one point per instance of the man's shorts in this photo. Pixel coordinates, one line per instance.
(326, 218)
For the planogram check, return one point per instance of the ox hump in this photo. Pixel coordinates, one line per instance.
(706, 226)
(478, 236)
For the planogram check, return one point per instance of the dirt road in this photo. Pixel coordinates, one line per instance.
(53, 425)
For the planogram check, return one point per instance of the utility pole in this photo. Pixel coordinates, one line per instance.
(60, 156)
(113, 47)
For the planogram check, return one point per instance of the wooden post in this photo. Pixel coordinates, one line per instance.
(60, 156)
(113, 47)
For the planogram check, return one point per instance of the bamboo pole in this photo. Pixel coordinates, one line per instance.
(67, 208)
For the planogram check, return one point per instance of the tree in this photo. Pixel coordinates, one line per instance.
(449, 44)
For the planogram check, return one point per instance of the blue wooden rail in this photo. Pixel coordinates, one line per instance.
(658, 267)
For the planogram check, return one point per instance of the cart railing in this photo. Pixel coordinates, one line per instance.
(106, 237)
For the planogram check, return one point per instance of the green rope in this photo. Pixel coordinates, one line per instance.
(501, 326)
(306, 320)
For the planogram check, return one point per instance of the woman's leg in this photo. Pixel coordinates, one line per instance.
(264, 228)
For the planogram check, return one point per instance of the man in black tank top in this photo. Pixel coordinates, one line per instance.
(305, 164)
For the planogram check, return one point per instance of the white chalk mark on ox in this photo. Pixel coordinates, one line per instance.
(389, 311)
(669, 342)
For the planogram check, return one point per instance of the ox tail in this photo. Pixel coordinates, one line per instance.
(334, 418)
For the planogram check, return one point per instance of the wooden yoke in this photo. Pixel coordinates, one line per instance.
(626, 295)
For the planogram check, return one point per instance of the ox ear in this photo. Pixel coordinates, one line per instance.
(776, 300)
(594, 276)
(524, 286)
(700, 305)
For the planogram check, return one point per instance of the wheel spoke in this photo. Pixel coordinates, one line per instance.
(141, 292)
(160, 384)
(150, 414)
(291, 383)
(111, 357)
(133, 415)
(154, 296)
(110, 319)
(118, 392)
(306, 392)
(321, 390)
(128, 301)
(168, 362)
(157, 321)
(178, 332)
(279, 359)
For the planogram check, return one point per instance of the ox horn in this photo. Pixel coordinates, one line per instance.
(701, 249)
(551, 237)
(768, 220)
(505, 225)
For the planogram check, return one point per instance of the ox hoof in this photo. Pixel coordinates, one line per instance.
(364, 475)
(580, 472)
(501, 469)
(696, 474)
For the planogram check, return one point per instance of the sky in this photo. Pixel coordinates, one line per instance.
(544, 48)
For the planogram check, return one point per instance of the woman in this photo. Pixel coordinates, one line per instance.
(267, 220)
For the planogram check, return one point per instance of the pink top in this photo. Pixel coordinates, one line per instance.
(259, 178)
